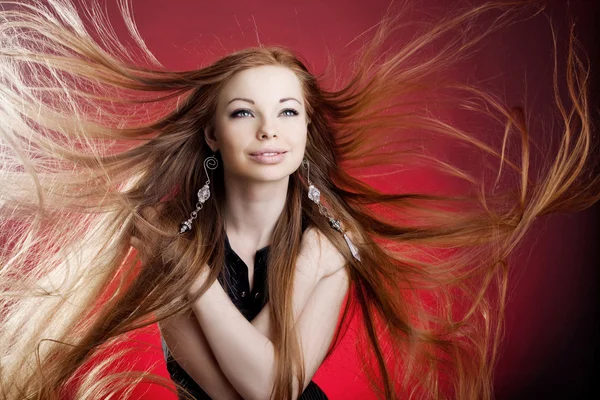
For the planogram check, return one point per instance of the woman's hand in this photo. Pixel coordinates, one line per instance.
(199, 282)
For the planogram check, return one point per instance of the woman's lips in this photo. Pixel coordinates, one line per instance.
(269, 158)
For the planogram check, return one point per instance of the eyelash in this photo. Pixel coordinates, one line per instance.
(237, 112)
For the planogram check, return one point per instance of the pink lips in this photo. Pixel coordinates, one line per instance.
(268, 150)
(270, 156)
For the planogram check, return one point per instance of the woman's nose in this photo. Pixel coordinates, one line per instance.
(267, 130)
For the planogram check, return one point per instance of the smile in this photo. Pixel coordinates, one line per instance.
(268, 158)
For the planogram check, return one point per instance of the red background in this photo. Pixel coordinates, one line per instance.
(551, 339)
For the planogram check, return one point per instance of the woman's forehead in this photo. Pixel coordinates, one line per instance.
(262, 84)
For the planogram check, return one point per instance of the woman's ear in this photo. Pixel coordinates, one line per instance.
(210, 138)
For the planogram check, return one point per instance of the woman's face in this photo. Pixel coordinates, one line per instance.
(260, 110)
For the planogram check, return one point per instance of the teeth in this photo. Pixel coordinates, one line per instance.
(269, 154)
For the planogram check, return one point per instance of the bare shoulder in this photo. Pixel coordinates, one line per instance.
(318, 252)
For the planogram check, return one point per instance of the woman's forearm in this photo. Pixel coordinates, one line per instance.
(262, 322)
(190, 349)
(188, 346)
(243, 349)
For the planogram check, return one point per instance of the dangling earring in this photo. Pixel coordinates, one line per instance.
(315, 195)
(211, 163)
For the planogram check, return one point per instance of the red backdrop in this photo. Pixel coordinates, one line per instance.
(548, 352)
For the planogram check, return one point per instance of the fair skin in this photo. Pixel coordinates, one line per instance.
(256, 193)
(228, 356)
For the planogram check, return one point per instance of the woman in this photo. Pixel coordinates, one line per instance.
(259, 133)
(102, 153)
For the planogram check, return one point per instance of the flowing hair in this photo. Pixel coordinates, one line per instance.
(91, 131)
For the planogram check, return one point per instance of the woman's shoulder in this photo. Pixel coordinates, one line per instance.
(317, 251)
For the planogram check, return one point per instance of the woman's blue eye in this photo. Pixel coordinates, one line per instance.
(236, 114)
(289, 112)
(294, 112)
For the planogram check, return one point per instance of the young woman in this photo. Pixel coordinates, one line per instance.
(259, 135)
(233, 184)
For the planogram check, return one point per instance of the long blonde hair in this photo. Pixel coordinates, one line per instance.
(90, 132)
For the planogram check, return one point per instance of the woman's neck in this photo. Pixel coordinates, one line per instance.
(252, 210)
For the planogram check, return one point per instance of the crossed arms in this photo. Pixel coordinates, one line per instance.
(232, 358)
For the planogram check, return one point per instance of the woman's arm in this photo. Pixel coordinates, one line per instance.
(183, 335)
(247, 356)
(187, 343)
(189, 347)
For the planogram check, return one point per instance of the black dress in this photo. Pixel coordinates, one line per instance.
(248, 302)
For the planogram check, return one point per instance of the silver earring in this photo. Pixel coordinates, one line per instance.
(315, 195)
(211, 163)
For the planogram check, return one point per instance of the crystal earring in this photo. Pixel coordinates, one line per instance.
(211, 163)
(315, 195)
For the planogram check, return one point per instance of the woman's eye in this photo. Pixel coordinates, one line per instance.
(288, 112)
(291, 112)
(240, 113)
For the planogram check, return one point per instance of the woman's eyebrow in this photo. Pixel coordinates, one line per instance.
(252, 102)
(289, 98)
